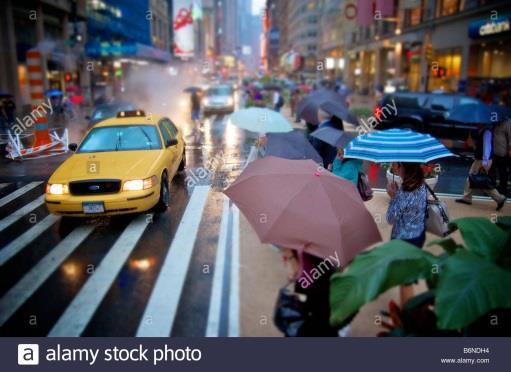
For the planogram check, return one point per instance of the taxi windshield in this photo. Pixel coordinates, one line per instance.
(121, 138)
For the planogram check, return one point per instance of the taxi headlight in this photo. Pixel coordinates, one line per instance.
(138, 185)
(230, 101)
(57, 189)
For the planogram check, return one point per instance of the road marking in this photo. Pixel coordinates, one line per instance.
(161, 309)
(13, 217)
(27, 286)
(234, 293)
(26, 238)
(82, 308)
(215, 303)
(15, 194)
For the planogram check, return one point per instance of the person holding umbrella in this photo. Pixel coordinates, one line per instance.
(298, 207)
(324, 149)
(195, 107)
(407, 210)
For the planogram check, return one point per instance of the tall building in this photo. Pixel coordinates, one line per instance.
(304, 30)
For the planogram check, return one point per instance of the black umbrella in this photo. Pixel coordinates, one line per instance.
(308, 107)
(291, 145)
(334, 137)
(5, 95)
(340, 111)
(193, 90)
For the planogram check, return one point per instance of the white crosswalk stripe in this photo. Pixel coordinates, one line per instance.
(27, 286)
(26, 238)
(15, 194)
(82, 308)
(12, 218)
(215, 304)
(161, 309)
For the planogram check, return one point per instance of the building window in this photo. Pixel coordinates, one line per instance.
(447, 7)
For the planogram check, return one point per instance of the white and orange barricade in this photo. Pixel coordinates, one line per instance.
(45, 142)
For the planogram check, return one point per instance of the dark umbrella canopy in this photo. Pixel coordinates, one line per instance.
(292, 145)
(308, 107)
(475, 113)
(192, 90)
(333, 137)
(5, 95)
(341, 112)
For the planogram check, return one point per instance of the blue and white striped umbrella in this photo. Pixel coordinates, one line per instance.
(396, 145)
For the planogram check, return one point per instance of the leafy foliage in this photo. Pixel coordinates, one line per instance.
(470, 282)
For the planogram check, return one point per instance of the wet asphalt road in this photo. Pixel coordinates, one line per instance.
(52, 280)
(39, 296)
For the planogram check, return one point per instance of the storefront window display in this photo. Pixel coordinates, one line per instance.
(445, 70)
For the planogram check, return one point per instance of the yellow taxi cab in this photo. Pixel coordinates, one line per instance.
(123, 165)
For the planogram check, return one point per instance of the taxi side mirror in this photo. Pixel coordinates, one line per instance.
(172, 142)
(73, 147)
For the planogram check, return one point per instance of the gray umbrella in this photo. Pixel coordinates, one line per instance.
(340, 111)
(292, 145)
(333, 137)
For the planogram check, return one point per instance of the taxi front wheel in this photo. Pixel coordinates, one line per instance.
(163, 202)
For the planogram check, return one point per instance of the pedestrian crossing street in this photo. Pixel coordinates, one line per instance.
(142, 275)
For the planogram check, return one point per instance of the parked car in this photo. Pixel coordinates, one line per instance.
(424, 112)
(218, 99)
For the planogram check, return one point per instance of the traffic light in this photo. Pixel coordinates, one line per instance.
(68, 77)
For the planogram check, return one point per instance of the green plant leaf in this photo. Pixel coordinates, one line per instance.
(469, 287)
(481, 236)
(372, 273)
(449, 245)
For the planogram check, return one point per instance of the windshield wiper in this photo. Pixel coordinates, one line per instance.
(119, 142)
(148, 138)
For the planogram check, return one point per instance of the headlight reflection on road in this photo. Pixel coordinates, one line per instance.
(142, 264)
(232, 135)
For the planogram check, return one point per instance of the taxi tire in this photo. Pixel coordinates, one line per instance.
(182, 165)
(162, 204)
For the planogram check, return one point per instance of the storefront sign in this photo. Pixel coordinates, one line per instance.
(485, 27)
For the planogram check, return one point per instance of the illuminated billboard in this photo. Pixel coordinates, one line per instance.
(183, 28)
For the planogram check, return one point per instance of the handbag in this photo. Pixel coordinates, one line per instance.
(290, 311)
(481, 181)
(437, 216)
(364, 187)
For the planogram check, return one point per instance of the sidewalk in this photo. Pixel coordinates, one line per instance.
(262, 274)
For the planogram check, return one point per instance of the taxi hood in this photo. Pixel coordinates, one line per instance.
(123, 165)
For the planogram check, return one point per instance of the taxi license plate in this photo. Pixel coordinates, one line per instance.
(93, 207)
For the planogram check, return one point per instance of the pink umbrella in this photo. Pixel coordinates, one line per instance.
(297, 204)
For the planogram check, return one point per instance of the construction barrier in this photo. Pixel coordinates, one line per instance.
(45, 142)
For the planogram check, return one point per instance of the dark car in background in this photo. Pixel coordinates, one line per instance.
(425, 113)
(108, 110)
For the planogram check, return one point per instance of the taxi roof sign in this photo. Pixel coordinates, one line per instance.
(130, 114)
